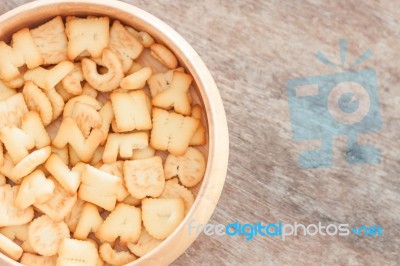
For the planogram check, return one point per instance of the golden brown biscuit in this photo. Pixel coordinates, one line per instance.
(174, 190)
(162, 216)
(72, 251)
(189, 167)
(36, 100)
(56, 101)
(10, 213)
(48, 78)
(72, 82)
(88, 90)
(89, 221)
(164, 55)
(69, 133)
(161, 81)
(113, 257)
(172, 131)
(107, 115)
(51, 41)
(7, 168)
(87, 34)
(59, 205)
(130, 110)
(116, 169)
(143, 37)
(145, 244)
(17, 142)
(35, 260)
(69, 106)
(136, 80)
(68, 179)
(33, 127)
(86, 118)
(123, 145)
(176, 94)
(34, 188)
(74, 215)
(124, 222)
(11, 60)
(5, 91)
(199, 136)
(124, 45)
(12, 110)
(143, 153)
(29, 163)
(46, 235)
(145, 177)
(99, 187)
(24, 45)
(9, 248)
(103, 82)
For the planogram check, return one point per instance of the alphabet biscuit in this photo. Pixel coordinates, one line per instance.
(86, 34)
(144, 177)
(172, 131)
(51, 41)
(124, 45)
(166, 212)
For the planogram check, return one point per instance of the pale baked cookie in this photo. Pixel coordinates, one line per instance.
(172, 131)
(36, 100)
(113, 257)
(145, 244)
(99, 187)
(32, 125)
(131, 111)
(45, 235)
(34, 188)
(10, 214)
(116, 170)
(72, 252)
(68, 179)
(12, 110)
(89, 221)
(162, 216)
(69, 133)
(176, 94)
(145, 177)
(5, 91)
(103, 82)
(35, 260)
(9, 248)
(189, 167)
(87, 34)
(29, 163)
(126, 46)
(17, 142)
(199, 136)
(164, 55)
(59, 205)
(51, 41)
(47, 79)
(123, 145)
(173, 190)
(123, 222)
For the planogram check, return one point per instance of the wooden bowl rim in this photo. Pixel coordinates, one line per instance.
(218, 150)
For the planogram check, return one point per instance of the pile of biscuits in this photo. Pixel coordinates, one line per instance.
(100, 143)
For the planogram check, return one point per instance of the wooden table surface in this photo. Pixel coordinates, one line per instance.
(252, 48)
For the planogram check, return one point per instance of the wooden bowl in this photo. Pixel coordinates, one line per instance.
(206, 94)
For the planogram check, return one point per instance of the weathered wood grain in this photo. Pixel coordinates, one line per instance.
(252, 48)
